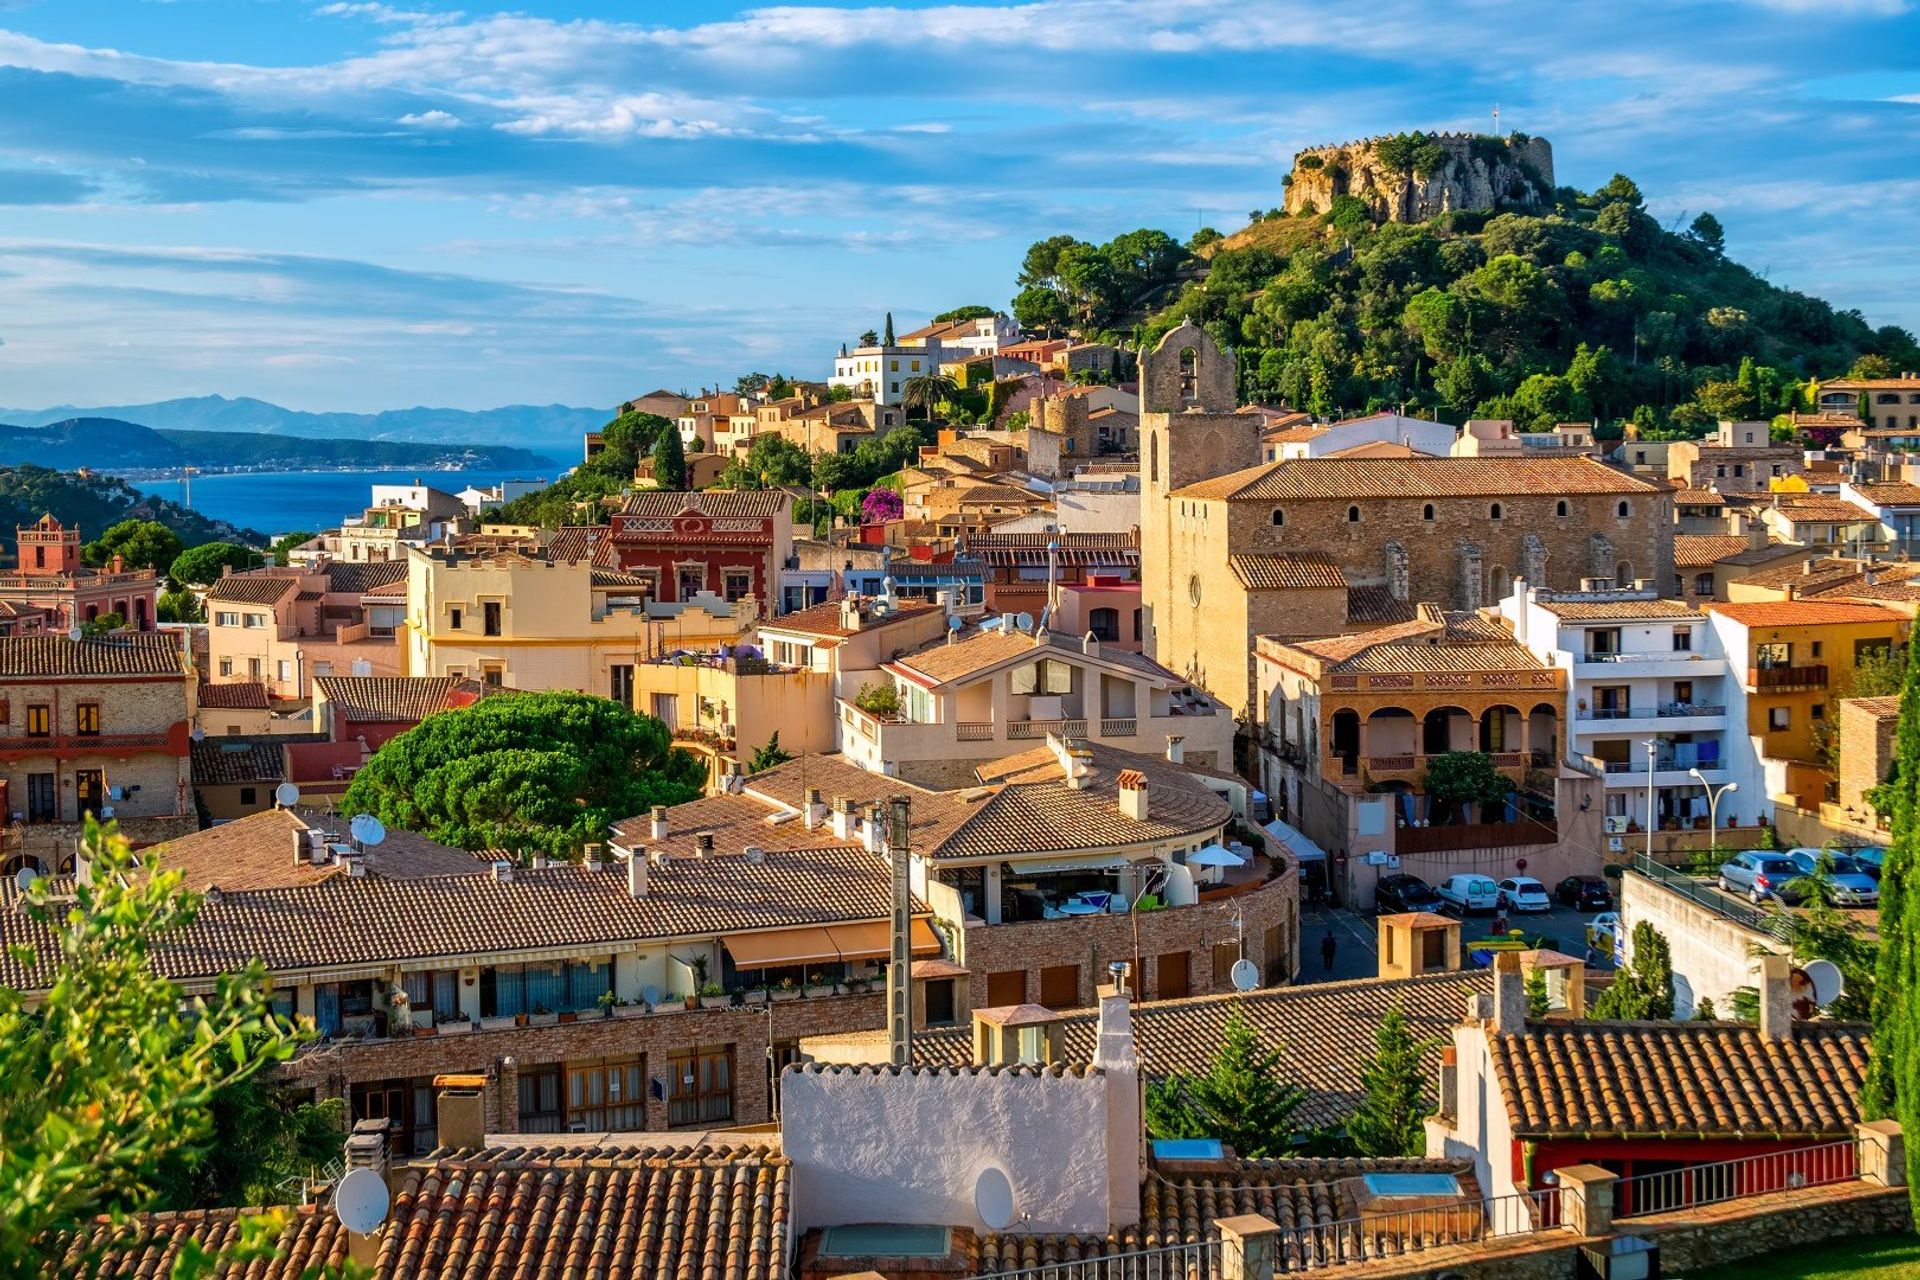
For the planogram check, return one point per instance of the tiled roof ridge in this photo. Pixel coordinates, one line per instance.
(1056, 1070)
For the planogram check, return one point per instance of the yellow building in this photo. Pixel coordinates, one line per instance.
(1797, 659)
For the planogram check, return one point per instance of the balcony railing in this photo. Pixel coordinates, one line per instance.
(1670, 655)
(1456, 837)
(1041, 728)
(1776, 678)
(973, 730)
(1122, 727)
(1693, 1186)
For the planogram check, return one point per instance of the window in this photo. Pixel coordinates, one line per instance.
(1703, 584)
(737, 583)
(1104, 624)
(1624, 510)
(1426, 512)
(1720, 472)
(492, 674)
(1353, 515)
(86, 719)
(1683, 639)
(1778, 718)
(1279, 517)
(285, 671)
(1776, 654)
(1045, 676)
(253, 668)
(39, 721)
(700, 1086)
(540, 1100)
(226, 666)
(249, 795)
(1739, 470)
(39, 557)
(1817, 712)
(490, 618)
(226, 618)
(942, 1008)
(254, 620)
(1494, 512)
(620, 683)
(455, 617)
(1817, 648)
(607, 1095)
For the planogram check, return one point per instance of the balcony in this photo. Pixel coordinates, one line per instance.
(172, 740)
(1032, 729)
(1684, 665)
(1783, 679)
(1456, 838)
(1671, 717)
(1126, 727)
(973, 730)
(1411, 767)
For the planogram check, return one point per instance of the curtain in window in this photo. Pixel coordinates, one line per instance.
(446, 995)
(509, 992)
(546, 988)
(419, 988)
(586, 983)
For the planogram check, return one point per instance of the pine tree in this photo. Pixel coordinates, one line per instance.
(1391, 1119)
(1893, 1073)
(770, 755)
(669, 461)
(1643, 991)
(1538, 1001)
(1240, 1100)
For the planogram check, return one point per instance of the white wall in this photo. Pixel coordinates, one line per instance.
(1712, 956)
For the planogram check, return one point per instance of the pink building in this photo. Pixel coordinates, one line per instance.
(49, 582)
(1108, 605)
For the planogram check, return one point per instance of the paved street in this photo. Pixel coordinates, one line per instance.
(1354, 939)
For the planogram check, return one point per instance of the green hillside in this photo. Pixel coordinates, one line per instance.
(94, 502)
(1589, 310)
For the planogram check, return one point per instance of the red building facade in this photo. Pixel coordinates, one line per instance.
(51, 589)
(724, 542)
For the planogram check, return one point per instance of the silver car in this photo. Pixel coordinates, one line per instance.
(1846, 883)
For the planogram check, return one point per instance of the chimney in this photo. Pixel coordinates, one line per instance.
(842, 818)
(1133, 794)
(1114, 1044)
(1806, 566)
(367, 1147)
(1509, 995)
(1776, 998)
(462, 1109)
(1448, 1090)
(637, 873)
(658, 825)
(703, 845)
(503, 872)
(1793, 591)
(815, 811)
(1756, 535)
(590, 856)
(1176, 749)
(119, 564)
(850, 613)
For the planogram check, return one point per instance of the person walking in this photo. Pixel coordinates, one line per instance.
(1328, 946)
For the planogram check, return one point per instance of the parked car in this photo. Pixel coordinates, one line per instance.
(1468, 893)
(1584, 893)
(1761, 876)
(1870, 858)
(1524, 893)
(1401, 892)
(1845, 884)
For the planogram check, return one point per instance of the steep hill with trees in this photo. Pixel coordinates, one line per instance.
(97, 502)
(1586, 309)
(112, 444)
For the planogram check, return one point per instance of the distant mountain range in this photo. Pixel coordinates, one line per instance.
(548, 428)
(109, 444)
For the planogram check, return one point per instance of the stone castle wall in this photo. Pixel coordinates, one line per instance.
(1479, 173)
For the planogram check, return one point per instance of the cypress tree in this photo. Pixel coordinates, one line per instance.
(1893, 1073)
(669, 461)
(887, 340)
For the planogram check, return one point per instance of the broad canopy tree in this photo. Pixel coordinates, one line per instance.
(533, 772)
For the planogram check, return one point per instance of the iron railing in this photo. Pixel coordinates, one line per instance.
(1704, 1184)
(1199, 1261)
(1711, 898)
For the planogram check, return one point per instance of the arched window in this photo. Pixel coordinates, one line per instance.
(1279, 517)
(1494, 512)
(1624, 510)
(1560, 507)
(1502, 582)
(1426, 512)
(1153, 463)
(1353, 515)
(1104, 624)
(1189, 373)
(1623, 574)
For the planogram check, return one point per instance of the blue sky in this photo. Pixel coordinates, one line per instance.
(368, 205)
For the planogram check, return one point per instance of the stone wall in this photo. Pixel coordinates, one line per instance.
(1477, 172)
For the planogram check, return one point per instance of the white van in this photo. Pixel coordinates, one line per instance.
(1464, 894)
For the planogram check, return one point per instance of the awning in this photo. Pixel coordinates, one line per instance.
(873, 939)
(1097, 863)
(781, 947)
(1302, 849)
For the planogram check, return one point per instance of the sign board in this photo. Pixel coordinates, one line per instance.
(1616, 824)
(1616, 844)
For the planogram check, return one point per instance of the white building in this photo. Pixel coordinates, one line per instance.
(1643, 669)
(963, 339)
(881, 373)
(478, 499)
(1324, 439)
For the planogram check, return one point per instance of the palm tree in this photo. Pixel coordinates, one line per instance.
(929, 389)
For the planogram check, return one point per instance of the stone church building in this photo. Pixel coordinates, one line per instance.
(1232, 548)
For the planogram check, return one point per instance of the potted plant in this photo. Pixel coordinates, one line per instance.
(629, 1008)
(542, 1016)
(819, 985)
(785, 989)
(456, 1024)
(754, 996)
(500, 1022)
(714, 996)
(607, 1001)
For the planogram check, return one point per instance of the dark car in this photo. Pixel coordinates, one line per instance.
(1584, 893)
(1404, 893)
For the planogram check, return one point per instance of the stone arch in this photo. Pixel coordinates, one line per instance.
(1499, 582)
(1444, 727)
(1186, 370)
(1623, 574)
(1473, 581)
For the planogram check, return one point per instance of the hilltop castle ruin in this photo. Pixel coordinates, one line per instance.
(1410, 177)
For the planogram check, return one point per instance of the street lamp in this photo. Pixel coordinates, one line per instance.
(1713, 804)
(1652, 745)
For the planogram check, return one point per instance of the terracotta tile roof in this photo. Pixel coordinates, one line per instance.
(256, 852)
(1905, 382)
(1890, 495)
(360, 578)
(1322, 1031)
(824, 619)
(712, 502)
(372, 920)
(579, 542)
(942, 663)
(239, 695)
(1821, 509)
(1179, 1206)
(640, 1212)
(1802, 613)
(1376, 604)
(1697, 1079)
(148, 1244)
(1267, 571)
(1607, 610)
(1702, 550)
(1825, 571)
(123, 653)
(1881, 708)
(1461, 643)
(1698, 498)
(260, 586)
(619, 578)
(234, 761)
(1341, 478)
(394, 699)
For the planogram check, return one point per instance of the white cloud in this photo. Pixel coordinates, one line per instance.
(430, 120)
(305, 360)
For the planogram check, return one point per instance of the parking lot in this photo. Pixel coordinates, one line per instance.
(1355, 937)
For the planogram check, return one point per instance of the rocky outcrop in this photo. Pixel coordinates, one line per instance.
(1410, 177)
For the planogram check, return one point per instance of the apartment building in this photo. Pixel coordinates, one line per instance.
(679, 544)
(281, 628)
(974, 696)
(716, 422)
(1883, 403)
(881, 374)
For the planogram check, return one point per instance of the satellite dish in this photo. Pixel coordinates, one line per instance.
(25, 877)
(286, 795)
(367, 829)
(1024, 622)
(954, 623)
(1245, 974)
(198, 734)
(360, 1201)
(1828, 982)
(650, 993)
(993, 1199)
(75, 634)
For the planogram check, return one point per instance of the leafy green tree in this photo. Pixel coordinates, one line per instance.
(748, 384)
(266, 1139)
(105, 623)
(125, 1068)
(1464, 381)
(1877, 672)
(1596, 378)
(284, 545)
(1723, 401)
(770, 461)
(1204, 238)
(669, 461)
(1040, 310)
(869, 339)
(200, 566)
(1397, 1097)
(1543, 400)
(925, 390)
(179, 606)
(1643, 990)
(973, 311)
(1460, 778)
(1707, 231)
(145, 544)
(533, 772)
(766, 757)
(878, 699)
(1893, 1072)
(1241, 1099)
